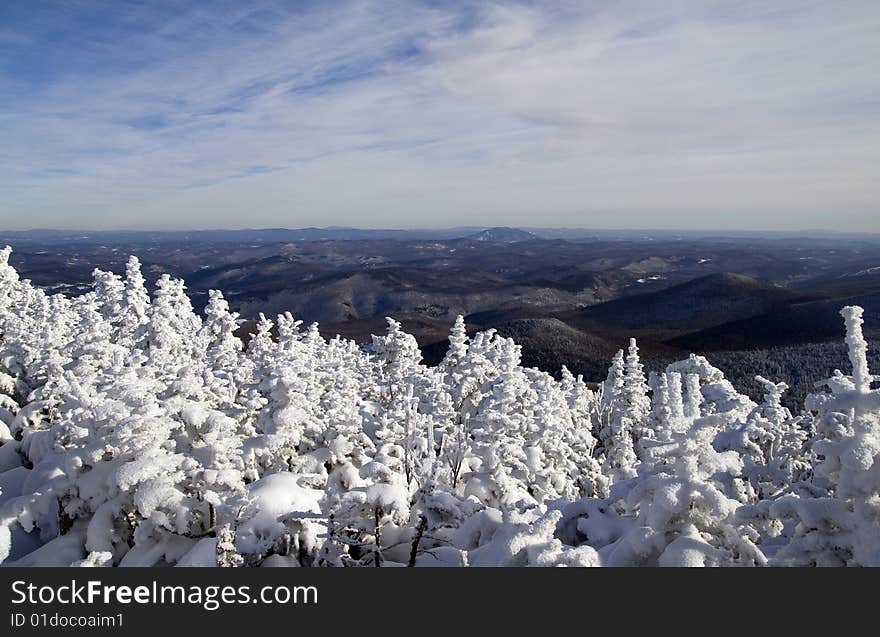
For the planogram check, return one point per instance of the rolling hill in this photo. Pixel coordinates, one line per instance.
(697, 304)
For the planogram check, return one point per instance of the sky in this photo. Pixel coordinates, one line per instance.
(593, 114)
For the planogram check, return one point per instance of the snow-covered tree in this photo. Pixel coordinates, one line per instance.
(134, 304)
(843, 527)
(635, 403)
(458, 347)
(135, 433)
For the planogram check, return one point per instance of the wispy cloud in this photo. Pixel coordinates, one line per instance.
(679, 114)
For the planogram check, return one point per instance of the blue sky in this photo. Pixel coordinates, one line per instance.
(678, 114)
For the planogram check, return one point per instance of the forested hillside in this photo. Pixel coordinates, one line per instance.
(134, 432)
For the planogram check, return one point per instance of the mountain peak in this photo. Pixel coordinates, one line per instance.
(502, 234)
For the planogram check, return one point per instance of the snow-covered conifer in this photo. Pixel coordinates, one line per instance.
(133, 433)
(457, 346)
(135, 303)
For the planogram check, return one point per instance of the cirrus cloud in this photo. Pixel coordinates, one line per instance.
(604, 114)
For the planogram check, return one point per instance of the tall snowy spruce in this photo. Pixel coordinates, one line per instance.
(134, 432)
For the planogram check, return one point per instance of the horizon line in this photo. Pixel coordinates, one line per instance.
(474, 228)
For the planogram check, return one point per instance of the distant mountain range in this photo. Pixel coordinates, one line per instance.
(501, 234)
(568, 301)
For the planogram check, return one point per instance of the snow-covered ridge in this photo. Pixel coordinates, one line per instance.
(134, 432)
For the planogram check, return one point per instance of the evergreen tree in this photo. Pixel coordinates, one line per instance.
(458, 346)
(133, 433)
(135, 303)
